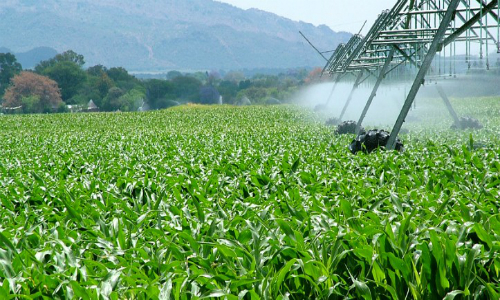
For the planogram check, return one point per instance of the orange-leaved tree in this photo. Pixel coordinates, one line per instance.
(33, 93)
(315, 76)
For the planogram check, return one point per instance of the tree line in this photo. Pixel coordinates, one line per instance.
(62, 82)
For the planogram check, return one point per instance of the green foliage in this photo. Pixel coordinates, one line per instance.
(255, 94)
(228, 91)
(9, 67)
(123, 79)
(234, 76)
(113, 100)
(245, 84)
(82, 98)
(265, 81)
(157, 90)
(209, 95)
(97, 70)
(165, 103)
(200, 76)
(172, 74)
(70, 56)
(187, 88)
(79, 86)
(243, 203)
(103, 84)
(131, 101)
(69, 76)
(67, 56)
(95, 88)
(30, 104)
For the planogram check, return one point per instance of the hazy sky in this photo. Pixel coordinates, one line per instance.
(339, 15)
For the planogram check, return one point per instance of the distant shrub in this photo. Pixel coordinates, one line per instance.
(467, 123)
(209, 95)
(332, 122)
(244, 101)
(164, 103)
(273, 101)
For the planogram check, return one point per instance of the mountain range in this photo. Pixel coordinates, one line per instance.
(158, 35)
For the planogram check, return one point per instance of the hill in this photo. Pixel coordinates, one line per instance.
(163, 35)
(32, 57)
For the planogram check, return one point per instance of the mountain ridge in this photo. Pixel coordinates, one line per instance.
(31, 58)
(163, 35)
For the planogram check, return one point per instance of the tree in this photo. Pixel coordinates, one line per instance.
(123, 79)
(186, 88)
(71, 56)
(68, 56)
(30, 103)
(68, 75)
(95, 87)
(66, 70)
(34, 92)
(256, 94)
(119, 74)
(9, 67)
(299, 74)
(265, 81)
(165, 103)
(209, 95)
(200, 76)
(103, 84)
(228, 90)
(244, 84)
(131, 101)
(234, 76)
(97, 70)
(213, 77)
(314, 76)
(158, 89)
(172, 74)
(111, 102)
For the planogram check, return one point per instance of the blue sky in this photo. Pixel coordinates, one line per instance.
(340, 15)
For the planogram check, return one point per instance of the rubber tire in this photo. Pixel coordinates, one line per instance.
(348, 127)
(371, 140)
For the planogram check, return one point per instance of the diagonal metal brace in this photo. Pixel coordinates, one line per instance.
(391, 143)
(356, 84)
(375, 88)
(448, 104)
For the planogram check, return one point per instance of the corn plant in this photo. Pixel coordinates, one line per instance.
(245, 203)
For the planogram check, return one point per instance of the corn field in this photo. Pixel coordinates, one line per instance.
(252, 203)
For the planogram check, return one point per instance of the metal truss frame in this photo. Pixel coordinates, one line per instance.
(412, 32)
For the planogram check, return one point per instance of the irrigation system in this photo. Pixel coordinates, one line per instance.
(409, 36)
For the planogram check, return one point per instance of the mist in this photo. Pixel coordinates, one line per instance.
(383, 111)
(428, 108)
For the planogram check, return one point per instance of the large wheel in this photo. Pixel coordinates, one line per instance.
(348, 127)
(467, 123)
(332, 122)
(371, 140)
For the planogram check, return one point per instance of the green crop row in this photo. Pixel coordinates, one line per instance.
(244, 203)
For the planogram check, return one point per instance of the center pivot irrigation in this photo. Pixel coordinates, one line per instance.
(411, 34)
